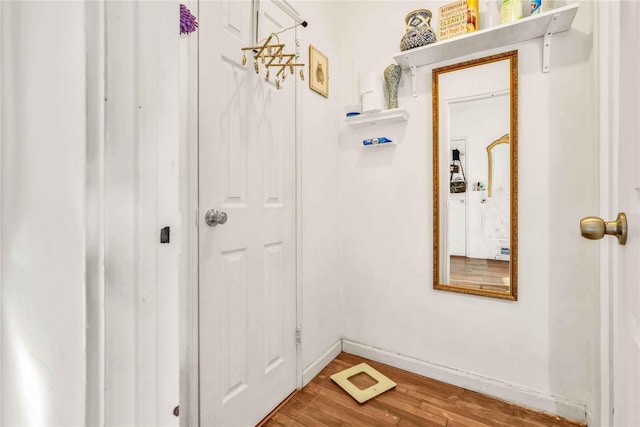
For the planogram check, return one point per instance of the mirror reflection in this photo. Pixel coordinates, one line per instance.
(475, 165)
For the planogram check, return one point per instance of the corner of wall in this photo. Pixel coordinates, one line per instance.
(321, 362)
(319, 204)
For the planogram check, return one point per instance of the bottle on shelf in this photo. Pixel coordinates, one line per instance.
(489, 13)
(511, 11)
(473, 16)
(539, 6)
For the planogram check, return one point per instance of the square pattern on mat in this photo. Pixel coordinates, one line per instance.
(383, 383)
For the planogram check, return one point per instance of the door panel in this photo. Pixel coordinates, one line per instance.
(247, 289)
(274, 324)
(233, 281)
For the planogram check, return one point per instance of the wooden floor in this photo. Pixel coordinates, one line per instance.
(416, 401)
(480, 273)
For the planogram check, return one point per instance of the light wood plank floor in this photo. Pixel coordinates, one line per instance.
(416, 401)
(480, 273)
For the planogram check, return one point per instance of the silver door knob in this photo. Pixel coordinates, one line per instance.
(214, 217)
(595, 228)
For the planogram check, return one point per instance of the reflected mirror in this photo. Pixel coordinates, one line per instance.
(475, 186)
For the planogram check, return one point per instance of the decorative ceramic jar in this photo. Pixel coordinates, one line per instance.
(392, 76)
(419, 32)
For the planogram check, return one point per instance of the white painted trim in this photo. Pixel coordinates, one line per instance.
(166, 258)
(501, 390)
(1, 311)
(321, 362)
(120, 212)
(609, 203)
(94, 246)
(298, 219)
(608, 63)
(189, 349)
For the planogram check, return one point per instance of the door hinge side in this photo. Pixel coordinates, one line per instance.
(298, 336)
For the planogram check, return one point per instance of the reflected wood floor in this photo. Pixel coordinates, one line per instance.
(416, 401)
(480, 273)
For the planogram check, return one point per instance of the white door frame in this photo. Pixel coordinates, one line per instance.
(613, 49)
(298, 217)
(189, 293)
(1, 340)
(95, 221)
(189, 317)
(608, 59)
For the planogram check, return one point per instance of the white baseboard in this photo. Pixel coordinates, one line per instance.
(321, 362)
(501, 390)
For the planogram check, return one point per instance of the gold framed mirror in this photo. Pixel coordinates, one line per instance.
(475, 177)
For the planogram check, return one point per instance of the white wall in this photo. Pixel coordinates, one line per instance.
(545, 342)
(320, 214)
(88, 291)
(43, 213)
(141, 196)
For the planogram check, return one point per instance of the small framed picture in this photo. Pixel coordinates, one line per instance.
(318, 72)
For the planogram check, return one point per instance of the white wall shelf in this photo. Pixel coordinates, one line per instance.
(543, 25)
(384, 116)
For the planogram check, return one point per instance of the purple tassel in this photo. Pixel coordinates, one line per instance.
(188, 23)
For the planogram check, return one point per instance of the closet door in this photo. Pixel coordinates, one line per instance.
(247, 290)
(626, 259)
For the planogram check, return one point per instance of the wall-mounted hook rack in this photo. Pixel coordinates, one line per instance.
(272, 55)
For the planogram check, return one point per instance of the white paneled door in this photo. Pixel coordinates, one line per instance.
(626, 306)
(247, 289)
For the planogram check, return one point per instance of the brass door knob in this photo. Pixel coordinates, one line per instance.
(595, 228)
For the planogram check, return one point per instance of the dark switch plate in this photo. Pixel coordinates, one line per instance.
(165, 235)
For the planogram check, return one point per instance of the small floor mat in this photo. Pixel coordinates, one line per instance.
(383, 383)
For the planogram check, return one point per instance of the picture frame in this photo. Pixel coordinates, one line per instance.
(318, 71)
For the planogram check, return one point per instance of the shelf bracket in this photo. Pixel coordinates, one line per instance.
(412, 66)
(546, 43)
